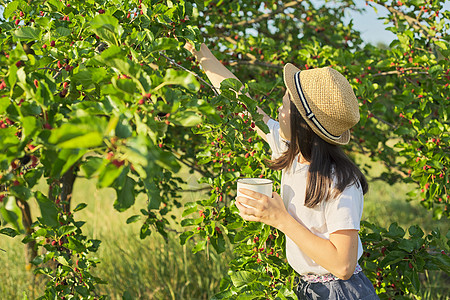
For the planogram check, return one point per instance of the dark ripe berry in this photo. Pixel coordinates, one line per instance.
(101, 11)
(118, 163)
(63, 93)
(60, 242)
(19, 63)
(52, 43)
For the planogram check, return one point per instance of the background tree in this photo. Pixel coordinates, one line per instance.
(105, 90)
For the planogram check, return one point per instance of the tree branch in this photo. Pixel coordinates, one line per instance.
(189, 71)
(267, 15)
(415, 23)
(382, 121)
(396, 72)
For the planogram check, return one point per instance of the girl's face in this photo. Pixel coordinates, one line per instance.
(284, 113)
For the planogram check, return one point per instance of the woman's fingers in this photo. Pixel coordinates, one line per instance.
(247, 213)
(188, 46)
(248, 201)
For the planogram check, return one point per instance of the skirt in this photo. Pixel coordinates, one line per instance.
(357, 287)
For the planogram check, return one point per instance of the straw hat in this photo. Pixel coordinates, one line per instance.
(326, 101)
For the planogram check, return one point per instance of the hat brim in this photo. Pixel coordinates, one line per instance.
(288, 75)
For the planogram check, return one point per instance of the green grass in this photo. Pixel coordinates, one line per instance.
(154, 269)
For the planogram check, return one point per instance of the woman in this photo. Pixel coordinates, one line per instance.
(320, 206)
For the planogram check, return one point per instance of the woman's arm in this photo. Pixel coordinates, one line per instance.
(338, 254)
(217, 72)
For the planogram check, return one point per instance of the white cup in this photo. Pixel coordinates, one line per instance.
(260, 185)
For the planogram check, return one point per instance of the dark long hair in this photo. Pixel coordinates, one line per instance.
(328, 162)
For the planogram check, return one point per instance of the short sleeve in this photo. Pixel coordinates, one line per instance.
(276, 142)
(345, 211)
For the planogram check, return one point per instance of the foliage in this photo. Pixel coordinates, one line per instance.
(395, 261)
(92, 88)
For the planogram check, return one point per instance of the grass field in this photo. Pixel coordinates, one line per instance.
(153, 269)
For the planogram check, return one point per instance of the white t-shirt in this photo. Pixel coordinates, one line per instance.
(327, 217)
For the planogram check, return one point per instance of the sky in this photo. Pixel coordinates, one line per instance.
(373, 30)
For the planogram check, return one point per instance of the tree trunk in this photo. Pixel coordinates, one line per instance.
(30, 247)
(68, 179)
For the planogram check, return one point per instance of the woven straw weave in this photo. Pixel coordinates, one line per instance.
(329, 96)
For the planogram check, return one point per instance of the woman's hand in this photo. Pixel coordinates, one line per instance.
(189, 47)
(270, 211)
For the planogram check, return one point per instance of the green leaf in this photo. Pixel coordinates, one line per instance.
(186, 118)
(395, 231)
(9, 232)
(168, 161)
(63, 31)
(185, 236)
(126, 85)
(9, 10)
(21, 192)
(201, 245)
(62, 260)
(108, 175)
(218, 242)
(91, 165)
(83, 77)
(190, 222)
(161, 44)
(125, 194)
(242, 278)
(49, 212)
(442, 261)
(11, 213)
(406, 245)
(231, 83)
(30, 126)
(79, 207)
(4, 103)
(27, 33)
(190, 208)
(106, 27)
(392, 258)
(133, 219)
(66, 229)
(182, 78)
(56, 4)
(75, 245)
(76, 136)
